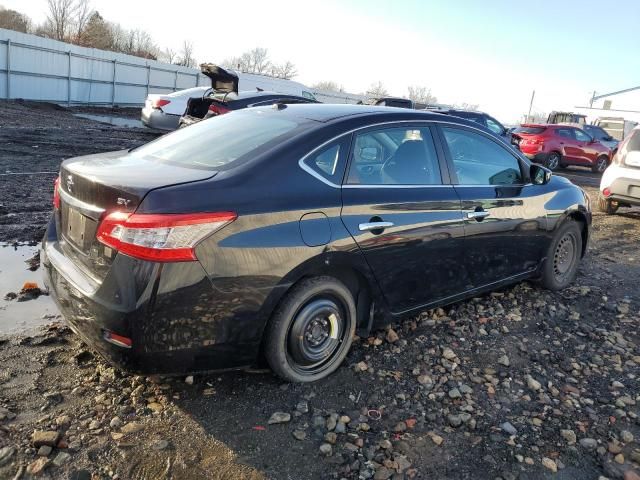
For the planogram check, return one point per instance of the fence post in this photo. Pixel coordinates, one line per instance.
(69, 78)
(113, 85)
(148, 78)
(175, 81)
(8, 68)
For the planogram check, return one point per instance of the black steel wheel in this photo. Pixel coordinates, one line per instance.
(311, 332)
(563, 257)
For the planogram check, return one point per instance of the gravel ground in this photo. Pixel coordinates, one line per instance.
(518, 384)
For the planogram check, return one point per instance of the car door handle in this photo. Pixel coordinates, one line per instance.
(481, 215)
(369, 226)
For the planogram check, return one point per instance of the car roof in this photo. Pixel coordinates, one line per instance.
(325, 113)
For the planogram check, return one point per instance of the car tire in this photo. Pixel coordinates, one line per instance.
(606, 205)
(311, 331)
(563, 257)
(602, 162)
(553, 161)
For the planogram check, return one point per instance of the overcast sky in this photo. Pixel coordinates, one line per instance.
(493, 53)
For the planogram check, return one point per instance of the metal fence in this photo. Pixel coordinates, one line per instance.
(36, 68)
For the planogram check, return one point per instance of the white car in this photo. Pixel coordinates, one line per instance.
(620, 184)
(164, 111)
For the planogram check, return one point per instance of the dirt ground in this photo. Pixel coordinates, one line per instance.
(517, 384)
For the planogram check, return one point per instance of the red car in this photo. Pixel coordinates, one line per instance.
(561, 145)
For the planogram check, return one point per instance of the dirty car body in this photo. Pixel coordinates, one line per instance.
(284, 195)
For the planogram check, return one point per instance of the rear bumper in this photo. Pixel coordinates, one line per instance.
(540, 157)
(623, 182)
(165, 309)
(154, 118)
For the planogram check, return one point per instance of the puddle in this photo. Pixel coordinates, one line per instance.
(116, 121)
(17, 316)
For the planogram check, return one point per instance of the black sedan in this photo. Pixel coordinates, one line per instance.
(279, 232)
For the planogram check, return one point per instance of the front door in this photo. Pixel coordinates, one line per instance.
(505, 221)
(403, 217)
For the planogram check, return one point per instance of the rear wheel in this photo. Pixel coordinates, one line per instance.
(563, 257)
(601, 164)
(553, 161)
(606, 205)
(311, 331)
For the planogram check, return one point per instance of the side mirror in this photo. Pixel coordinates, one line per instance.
(539, 174)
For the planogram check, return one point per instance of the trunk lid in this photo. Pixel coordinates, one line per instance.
(221, 80)
(95, 184)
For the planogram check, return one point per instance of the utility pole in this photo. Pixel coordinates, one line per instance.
(533, 94)
(593, 97)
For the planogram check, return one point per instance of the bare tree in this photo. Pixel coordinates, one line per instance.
(285, 70)
(259, 60)
(327, 86)
(422, 95)
(12, 20)
(168, 55)
(83, 14)
(186, 55)
(377, 90)
(60, 18)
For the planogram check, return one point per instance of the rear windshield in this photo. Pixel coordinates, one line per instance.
(529, 130)
(216, 142)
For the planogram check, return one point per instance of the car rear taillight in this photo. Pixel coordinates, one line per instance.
(218, 109)
(116, 339)
(160, 237)
(606, 192)
(56, 193)
(160, 102)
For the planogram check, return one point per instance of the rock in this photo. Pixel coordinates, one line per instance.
(332, 422)
(504, 360)
(132, 427)
(550, 464)
(341, 427)
(63, 421)
(400, 427)
(189, 380)
(437, 439)
(425, 380)
(385, 444)
(392, 336)
(159, 445)
(326, 449)
(508, 428)
(569, 436)
(37, 467)
(80, 475)
(448, 354)
(155, 407)
(589, 443)
(44, 451)
(39, 438)
(61, 459)
(299, 434)
(115, 423)
(532, 383)
(626, 436)
(6, 453)
(619, 458)
(94, 425)
(303, 406)
(454, 393)
(454, 420)
(361, 367)
(279, 417)
(631, 475)
(383, 473)
(331, 437)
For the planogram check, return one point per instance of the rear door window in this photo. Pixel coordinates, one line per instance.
(494, 126)
(478, 160)
(565, 133)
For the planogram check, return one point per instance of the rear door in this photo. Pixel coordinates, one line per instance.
(567, 142)
(588, 153)
(404, 215)
(504, 216)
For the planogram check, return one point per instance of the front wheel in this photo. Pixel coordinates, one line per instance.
(601, 165)
(553, 161)
(311, 331)
(561, 266)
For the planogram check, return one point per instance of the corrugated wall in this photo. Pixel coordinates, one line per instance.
(36, 68)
